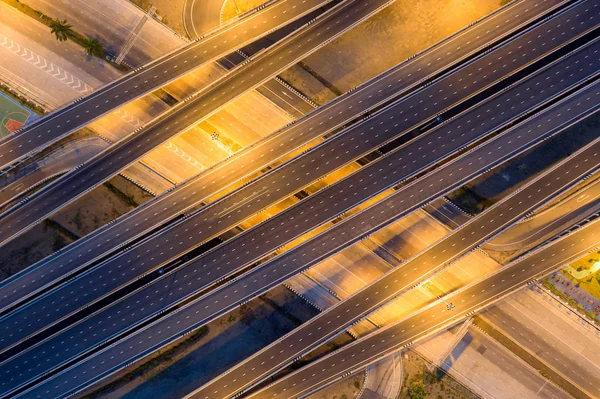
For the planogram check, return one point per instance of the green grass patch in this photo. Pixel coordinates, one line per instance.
(12, 116)
(530, 359)
(21, 99)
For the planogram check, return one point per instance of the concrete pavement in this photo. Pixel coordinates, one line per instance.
(384, 379)
(56, 72)
(489, 369)
(544, 330)
(200, 16)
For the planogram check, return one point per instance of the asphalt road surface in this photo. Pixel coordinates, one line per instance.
(359, 354)
(224, 214)
(152, 76)
(256, 281)
(538, 228)
(424, 265)
(557, 340)
(398, 81)
(184, 116)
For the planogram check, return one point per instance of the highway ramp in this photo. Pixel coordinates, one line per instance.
(397, 82)
(191, 316)
(154, 75)
(365, 351)
(228, 212)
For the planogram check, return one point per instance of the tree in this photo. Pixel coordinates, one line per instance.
(417, 391)
(61, 29)
(93, 47)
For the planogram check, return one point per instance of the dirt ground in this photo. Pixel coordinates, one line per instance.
(389, 37)
(233, 8)
(228, 340)
(483, 192)
(437, 384)
(100, 206)
(39, 242)
(348, 388)
(170, 12)
(93, 210)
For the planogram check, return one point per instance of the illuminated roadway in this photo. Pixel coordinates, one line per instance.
(230, 211)
(158, 295)
(324, 120)
(548, 222)
(152, 76)
(359, 354)
(184, 116)
(338, 318)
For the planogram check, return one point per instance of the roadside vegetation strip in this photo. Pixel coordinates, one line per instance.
(75, 36)
(577, 307)
(530, 359)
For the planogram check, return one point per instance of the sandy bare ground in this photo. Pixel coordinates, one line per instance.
(174, 373)
(401, 30)
(98, 207)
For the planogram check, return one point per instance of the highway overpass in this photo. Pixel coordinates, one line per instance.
(186, 115)
(143, 80)
(435, 317)
(217, 217)
(398, 81)
(157, 333)
(408, 275)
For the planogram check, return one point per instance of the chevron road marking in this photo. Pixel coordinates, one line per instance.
(45, 65)
(127, 117)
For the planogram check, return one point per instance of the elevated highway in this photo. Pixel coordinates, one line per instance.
(115, 354)
(435, 317)
(398, 81)
(230, 211)
(410, 274)
(158, 73)
(248, 76)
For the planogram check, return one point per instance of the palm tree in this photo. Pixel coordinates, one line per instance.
(93, 47)
(61, 29)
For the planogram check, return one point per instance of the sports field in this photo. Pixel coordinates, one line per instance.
(12, 116)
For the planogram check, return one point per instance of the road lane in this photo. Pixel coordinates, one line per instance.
(424, 265)
(395, 82)
(217, 217)
(359, 354)
(259, 280)
(152, 76)
(184, 116)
